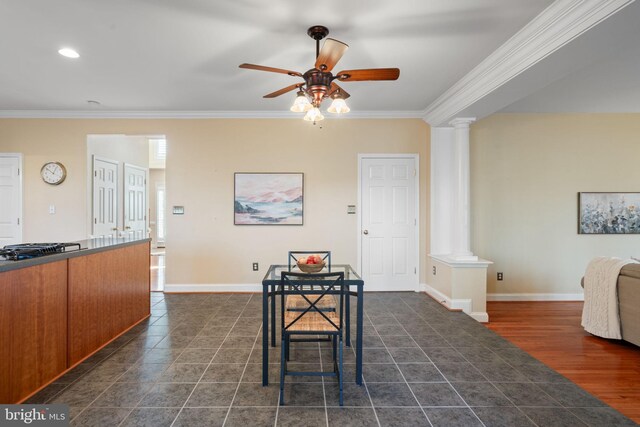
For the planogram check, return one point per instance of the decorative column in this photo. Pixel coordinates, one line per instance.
(461, 231)
(458, 278)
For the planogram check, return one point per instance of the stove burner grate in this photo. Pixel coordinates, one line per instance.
(33, 250)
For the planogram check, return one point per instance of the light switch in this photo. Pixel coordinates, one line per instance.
(351, 209)
(52, 209)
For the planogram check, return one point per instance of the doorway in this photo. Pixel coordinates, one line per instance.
(388, 226)
(125, 172)
(11, 196)
(157, 210)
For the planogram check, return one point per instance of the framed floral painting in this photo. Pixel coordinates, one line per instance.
(609, 213)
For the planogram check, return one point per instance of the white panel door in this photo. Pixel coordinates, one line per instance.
(10, 199)
(135, 201)
(105, 197)
(389, 223)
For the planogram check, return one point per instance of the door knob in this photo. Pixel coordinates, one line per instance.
(365, 232)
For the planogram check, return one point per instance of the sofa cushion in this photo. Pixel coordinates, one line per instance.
(631, 270)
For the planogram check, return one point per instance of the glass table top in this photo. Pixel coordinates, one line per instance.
(349, 273)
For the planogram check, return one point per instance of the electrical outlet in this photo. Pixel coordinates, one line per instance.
(500, 276)
(255, 266)
(434, 270)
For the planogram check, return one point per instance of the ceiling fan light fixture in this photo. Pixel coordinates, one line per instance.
(319, 82)
(338, 106)
(314, 115)
(301, 103)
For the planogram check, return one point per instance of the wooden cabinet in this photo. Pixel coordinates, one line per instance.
(33, 328)
(108, 292)
(56, 312)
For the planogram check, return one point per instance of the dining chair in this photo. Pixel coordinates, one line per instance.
(297, 303)
(327, 305)
(310, 320)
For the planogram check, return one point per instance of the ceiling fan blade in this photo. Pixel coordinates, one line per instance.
(283, 90)
(331, 52)
(335, 88)
(270, 69)
(368, 74)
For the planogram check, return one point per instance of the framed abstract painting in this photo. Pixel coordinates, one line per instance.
(608, 213)
(268, 198)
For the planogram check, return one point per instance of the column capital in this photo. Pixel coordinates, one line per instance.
(462, 122)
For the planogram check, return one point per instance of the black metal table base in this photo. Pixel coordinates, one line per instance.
(269, 291)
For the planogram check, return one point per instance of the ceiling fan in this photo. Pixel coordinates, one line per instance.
(319, 82)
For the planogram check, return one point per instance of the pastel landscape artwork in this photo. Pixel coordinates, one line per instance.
(268, 199)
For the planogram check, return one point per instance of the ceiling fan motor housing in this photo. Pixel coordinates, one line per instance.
(317, 84)
(318, 32)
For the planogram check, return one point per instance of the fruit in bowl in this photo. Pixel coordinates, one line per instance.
(311, 264)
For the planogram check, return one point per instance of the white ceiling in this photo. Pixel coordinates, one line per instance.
(595, 72)
(608, 85)
(183, 55)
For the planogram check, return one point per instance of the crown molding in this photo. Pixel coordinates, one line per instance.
(79, 114)
(380, 115)
(554, 27)
(462, 122)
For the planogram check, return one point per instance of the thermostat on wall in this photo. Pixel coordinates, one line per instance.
(178, 210)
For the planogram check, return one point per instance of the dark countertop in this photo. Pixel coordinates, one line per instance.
(90, 246)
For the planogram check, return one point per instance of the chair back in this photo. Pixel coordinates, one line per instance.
(294, 256)
(312, 288)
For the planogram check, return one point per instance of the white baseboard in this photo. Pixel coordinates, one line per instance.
(455, 304)
(462, 304)
(480, 316)
(210, 287)
(452, 304)
(437, 295)
(535, 297)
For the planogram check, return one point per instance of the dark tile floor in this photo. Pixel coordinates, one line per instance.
(196, 361)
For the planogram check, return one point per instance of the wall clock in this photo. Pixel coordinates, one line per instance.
(53, 173)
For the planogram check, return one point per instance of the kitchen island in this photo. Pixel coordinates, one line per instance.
(57, 310)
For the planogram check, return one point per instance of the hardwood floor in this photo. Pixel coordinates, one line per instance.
(551, 332)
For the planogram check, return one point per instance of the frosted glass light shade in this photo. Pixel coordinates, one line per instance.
(301, 104)
(314, 115)
(338, 106)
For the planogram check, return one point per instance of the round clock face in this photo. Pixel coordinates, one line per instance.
(53, 173)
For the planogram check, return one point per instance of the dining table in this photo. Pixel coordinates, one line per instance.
(354, 286)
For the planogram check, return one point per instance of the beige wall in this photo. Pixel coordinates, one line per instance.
(526, 172)
(203, 246)
(210, 249)
(42, 141)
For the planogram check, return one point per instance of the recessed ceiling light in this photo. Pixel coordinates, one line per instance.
(69, 53)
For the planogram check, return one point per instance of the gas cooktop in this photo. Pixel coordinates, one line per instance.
(33, 250)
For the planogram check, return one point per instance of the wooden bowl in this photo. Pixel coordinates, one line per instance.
(311, 268)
